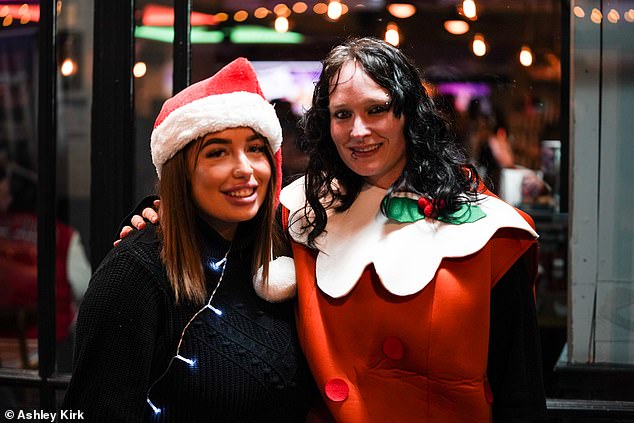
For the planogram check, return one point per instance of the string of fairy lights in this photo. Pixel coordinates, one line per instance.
(218, 267)
(281, 16)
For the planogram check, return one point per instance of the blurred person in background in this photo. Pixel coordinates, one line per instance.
(18, 275)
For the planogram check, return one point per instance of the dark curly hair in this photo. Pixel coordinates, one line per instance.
(436, 166)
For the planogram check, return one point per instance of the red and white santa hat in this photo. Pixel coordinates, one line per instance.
(229, 99)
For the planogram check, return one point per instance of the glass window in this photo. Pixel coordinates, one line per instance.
(602, 329)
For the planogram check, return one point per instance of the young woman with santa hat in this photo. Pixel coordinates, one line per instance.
(171, 328)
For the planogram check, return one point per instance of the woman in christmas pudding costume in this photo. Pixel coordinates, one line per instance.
(171, 328)
(414, 284)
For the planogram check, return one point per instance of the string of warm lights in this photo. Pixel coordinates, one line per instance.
(24, 13)
(155, 16)
(334, 9)
(596, 16)
(216, 267)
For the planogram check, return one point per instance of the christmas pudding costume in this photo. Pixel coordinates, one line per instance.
(394, 317)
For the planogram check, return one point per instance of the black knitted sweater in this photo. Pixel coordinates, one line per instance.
(247, 363)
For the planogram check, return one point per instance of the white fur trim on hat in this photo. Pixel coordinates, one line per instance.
(213, 114)
(281, 285)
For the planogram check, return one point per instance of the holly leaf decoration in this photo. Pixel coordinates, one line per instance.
(406, 210)
(402, 209)
(467, 213)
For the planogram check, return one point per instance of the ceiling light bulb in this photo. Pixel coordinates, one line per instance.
(578, 11)
(614, 16)
(320, 8)
(479, 46)
(221, 17)
(139, 69)
(68, 67)
(281, 24)
(300, 7)
(392, 35)
(596, 16)
(334, 10)
(401, 10)
(240, 16)
(469, 9)
(261, 12)
(282, 10)
(526, 56)
(456, 27)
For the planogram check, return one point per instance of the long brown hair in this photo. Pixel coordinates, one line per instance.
(180, 250)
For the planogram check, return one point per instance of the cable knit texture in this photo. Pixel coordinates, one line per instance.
(248, 365)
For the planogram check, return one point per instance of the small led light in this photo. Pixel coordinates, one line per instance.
(154, 407)
(216, 266)
(186, 360)
(214, 309)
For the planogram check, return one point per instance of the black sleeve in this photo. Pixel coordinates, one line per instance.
(144, 203)
(117, 332)
(515, 361)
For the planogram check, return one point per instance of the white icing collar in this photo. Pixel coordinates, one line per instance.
(405, 255)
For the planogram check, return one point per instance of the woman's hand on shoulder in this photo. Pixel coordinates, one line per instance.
(139, 222)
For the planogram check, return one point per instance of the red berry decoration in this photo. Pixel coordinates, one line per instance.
(425, 206)
(430, 208)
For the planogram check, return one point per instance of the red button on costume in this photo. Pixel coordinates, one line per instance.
(393, 348)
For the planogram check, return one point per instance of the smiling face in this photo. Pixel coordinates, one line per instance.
(370, 139)
(230, 172)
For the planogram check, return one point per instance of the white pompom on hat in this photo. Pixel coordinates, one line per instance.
(281, 285)
(231, 98)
